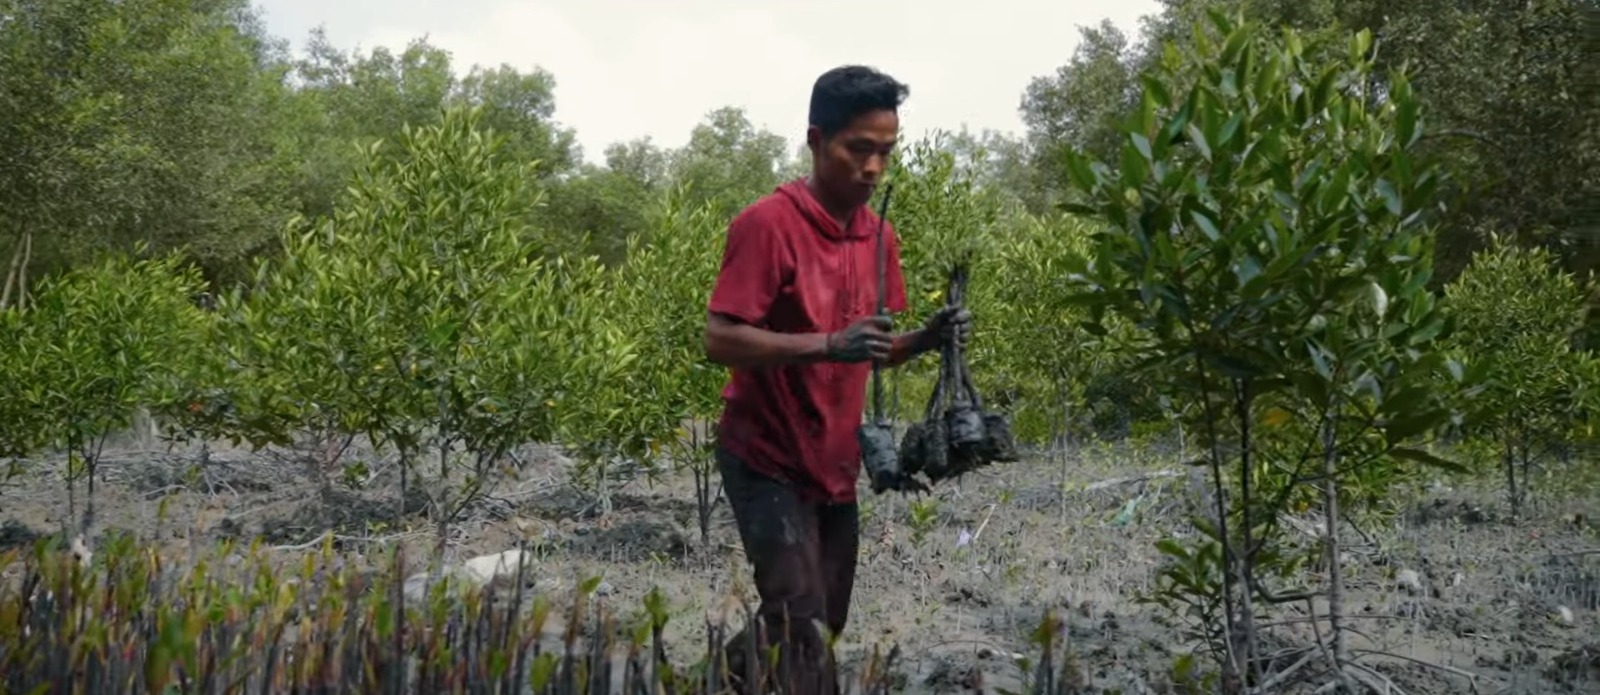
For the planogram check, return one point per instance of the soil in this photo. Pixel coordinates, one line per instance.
(959, 579)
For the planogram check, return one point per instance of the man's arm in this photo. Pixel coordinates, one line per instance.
(732, 343)
(910, 345)
(754, 265)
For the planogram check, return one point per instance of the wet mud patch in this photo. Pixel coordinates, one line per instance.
(15, 534)
(342, 512)
(1577, 668)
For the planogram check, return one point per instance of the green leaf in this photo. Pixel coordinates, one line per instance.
(1198, 140)
(1172, 548)
(1391, 197)
(1142, 144)
(1207, 227)
(1234, 367)
(1157, 90)
(1078, 167)
(1406, 130)
(1412, 424)
(1427, 459)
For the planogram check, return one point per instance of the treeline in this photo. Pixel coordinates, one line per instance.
(184, 124)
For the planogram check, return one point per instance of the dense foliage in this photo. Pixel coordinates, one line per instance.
(434, 269)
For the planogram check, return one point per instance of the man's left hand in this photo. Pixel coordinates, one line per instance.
(952, 325)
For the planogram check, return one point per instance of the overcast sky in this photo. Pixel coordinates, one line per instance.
(629, 68)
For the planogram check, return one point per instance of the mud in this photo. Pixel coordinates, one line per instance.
(1450, 590)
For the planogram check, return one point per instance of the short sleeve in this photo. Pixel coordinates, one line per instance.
(752, 270)
(894, 280)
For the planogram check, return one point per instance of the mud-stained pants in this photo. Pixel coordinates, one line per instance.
(805, 564)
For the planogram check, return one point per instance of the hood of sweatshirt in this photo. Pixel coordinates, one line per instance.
(863, 224)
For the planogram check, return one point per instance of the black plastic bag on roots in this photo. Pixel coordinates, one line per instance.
(935, 449)
(972, 437)
(878, 452)
(999, 445)
(925, 447)
(965, 423)
(913, 446)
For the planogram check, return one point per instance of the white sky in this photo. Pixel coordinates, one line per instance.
(629, 68)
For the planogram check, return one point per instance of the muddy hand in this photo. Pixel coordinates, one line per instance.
(866, 339)
(953, 325)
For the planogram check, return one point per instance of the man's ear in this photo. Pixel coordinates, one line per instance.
(814, 139)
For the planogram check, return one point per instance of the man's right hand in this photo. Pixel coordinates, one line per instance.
(866, 339)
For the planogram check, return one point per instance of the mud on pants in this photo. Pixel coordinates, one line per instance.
(804, 555)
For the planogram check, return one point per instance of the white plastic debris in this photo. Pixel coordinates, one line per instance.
(1564, 616)
(1408, 580)
(477, 572)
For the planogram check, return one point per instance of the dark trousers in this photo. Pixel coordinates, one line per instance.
(805, 564)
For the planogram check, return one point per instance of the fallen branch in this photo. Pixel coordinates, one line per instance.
(323, 538)
(1281, 678)
(984, 524)
(1472, 678)
(1376, 682)
(1575, 553)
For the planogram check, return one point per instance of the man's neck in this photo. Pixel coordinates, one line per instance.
(840, 213)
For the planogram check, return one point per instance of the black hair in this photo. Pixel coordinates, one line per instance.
(845, 92)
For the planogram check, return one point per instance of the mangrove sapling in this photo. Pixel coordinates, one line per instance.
(307, 360)
(1339, 651)
(662, 285)
(879, 455)
(1263, 214)
(22, 431)
(706, 482)
(956, 434)
(1519, 313)
(448, 336)
(99, 341)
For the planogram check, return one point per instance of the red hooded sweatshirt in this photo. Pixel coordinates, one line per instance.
(789, 267)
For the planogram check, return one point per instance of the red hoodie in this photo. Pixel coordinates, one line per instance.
(789, 267)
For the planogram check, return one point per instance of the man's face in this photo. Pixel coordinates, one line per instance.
(850, 164)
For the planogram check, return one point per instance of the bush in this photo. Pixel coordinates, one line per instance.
(1519, 319)
(1268, 236)
(99, 342)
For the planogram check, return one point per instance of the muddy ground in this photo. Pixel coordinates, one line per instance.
(960, 579)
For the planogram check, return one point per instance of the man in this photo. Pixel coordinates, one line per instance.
(793, 314)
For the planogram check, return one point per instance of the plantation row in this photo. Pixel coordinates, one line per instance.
(252, 627)
(424, 315)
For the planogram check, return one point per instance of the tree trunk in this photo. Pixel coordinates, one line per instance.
(17, 274)
(1330, 504)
